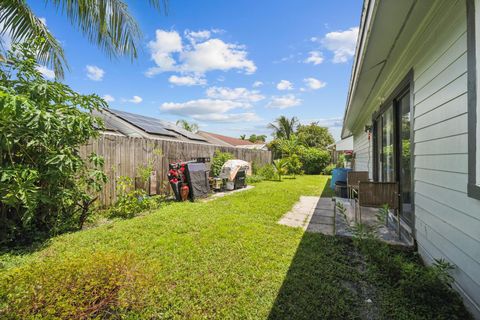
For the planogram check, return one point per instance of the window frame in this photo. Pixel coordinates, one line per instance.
(473, 187)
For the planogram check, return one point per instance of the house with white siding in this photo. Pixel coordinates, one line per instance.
(413, 112)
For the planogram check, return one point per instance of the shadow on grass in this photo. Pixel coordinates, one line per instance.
(320, 283)
(327, 192)
(330, 278)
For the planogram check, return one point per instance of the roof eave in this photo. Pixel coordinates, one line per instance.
(369, 7)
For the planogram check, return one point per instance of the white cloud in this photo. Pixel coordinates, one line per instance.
(229, 117)
(257, 84)
(195, 36)
(341, 43)
(108, 98)
(214, 54)
(283, 102)
(187, 80)
(166, 43)
(95, 73)
(236, 94)
(314, 84)
(215, 110)
(135, 99)
(202, 55)
(47, 73)
(314, 57)
(201, 107)
(284, 85)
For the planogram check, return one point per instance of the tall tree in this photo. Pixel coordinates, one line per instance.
(243, 136)
(313, 135)
(192, 127)
(284, 127)
(106, 23)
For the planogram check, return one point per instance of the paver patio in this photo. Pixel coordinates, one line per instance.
(313, 214)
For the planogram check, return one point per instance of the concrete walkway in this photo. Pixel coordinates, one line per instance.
(313, 214)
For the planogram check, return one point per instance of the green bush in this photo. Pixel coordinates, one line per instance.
(84, 285)
(314, 160)
(130, 201)
(294, 166)
(46, 187)
(255, 179)
(267, 172)
(219, 158)
(341, 160)
(328, 169)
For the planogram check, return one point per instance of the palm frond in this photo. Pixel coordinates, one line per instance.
(106, 23)
(21, 24)
(160, 5)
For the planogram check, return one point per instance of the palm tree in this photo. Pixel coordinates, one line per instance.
(192, 127)
(243, 136)
(107, 23)
(284, 127)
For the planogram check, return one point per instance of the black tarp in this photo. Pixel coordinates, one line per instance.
(197, 177)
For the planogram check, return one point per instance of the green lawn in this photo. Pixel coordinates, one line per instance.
(224, 259)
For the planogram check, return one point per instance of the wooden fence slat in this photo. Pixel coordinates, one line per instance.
(125, 155)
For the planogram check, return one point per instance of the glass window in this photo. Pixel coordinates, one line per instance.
(404, 160)
(387, 156)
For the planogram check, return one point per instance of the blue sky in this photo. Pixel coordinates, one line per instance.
(230, 66)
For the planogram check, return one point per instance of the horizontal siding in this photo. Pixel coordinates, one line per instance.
(447, 221)
(469, 288)
(456, 69)
(448, 145)
(362, 147)
(450, 127)
(449, 110)
(454, 89)
(443, 162)
(443, 179)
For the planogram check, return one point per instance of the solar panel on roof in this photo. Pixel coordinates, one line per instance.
(147, 124)
(156, 126)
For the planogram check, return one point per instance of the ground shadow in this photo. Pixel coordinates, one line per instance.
(321, 281)
(327, 192)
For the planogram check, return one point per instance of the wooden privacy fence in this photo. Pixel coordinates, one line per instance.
(126, 156)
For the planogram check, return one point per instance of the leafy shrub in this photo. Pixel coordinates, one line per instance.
(425, 289)
(314, 160)
(341, 160)
(131, 201)
(328, 169)
(267, 172)
(45, 186)
(255, 179)
(294, 166)
(80, 286)
(219, 158)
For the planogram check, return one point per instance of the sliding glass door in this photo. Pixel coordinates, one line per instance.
(392, 140)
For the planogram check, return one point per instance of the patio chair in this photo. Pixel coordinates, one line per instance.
(353, 179)
(376, 195)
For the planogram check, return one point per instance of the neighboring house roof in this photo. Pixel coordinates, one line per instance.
(135, 125)
(256, 146)
(224, 140)
(386, 28)
(344, 144)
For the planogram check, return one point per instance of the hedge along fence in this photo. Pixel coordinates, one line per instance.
(127, 156)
